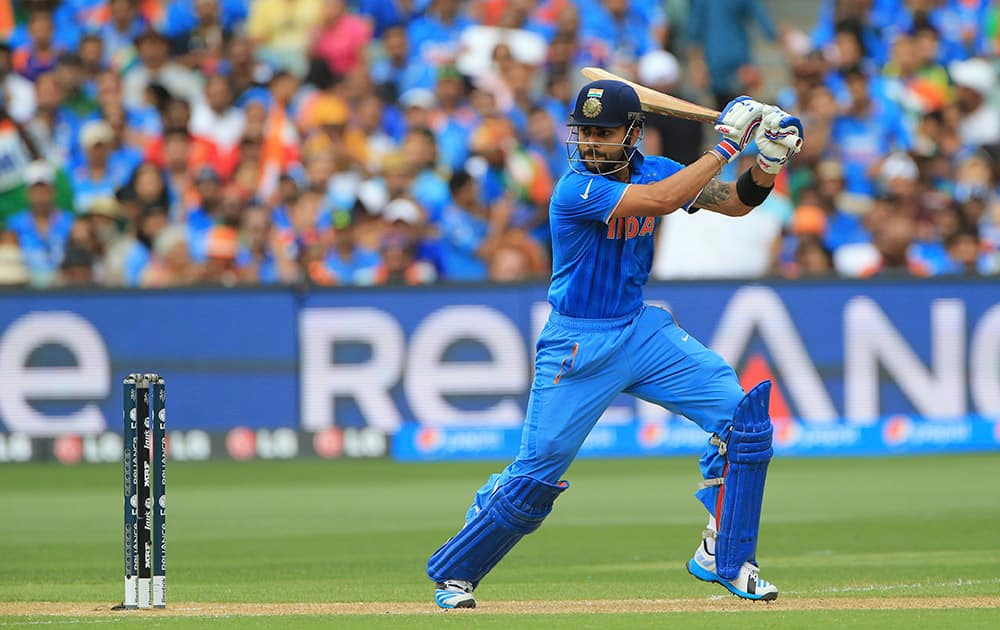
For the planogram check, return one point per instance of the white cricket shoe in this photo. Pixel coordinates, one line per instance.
(748, 584)
(454, 594)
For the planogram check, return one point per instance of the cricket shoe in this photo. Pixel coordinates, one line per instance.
(748, 584)
(454, 594)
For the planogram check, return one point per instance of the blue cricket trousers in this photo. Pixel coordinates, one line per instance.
(582, 365)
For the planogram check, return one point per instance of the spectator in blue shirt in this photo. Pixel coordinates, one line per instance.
(568, 52)
(74, 18)
(120, 32)
(96, 177)
(91, 54)
(126, 140)
(256, 260)
(865, 133)
(875, 20)
(453, 119)
(959, 23)
(428, 188)
(347, 262)
(42, 51)
(42, 229)
(55, 127)
(846, 51)
(202, 217)
(395, 71)
(465, 245)
(543, 140)
(434, 37)
(406, 258)
(964, 253)
(624, 29)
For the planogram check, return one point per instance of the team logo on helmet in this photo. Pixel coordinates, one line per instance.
(592, 108)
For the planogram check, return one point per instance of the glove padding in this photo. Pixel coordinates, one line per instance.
(778, 137)
(739, 120)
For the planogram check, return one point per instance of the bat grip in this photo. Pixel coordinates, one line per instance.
(791, 142)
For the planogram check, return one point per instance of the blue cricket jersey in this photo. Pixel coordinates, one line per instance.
(600, 264)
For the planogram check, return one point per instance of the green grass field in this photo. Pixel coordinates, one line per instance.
(903, 542)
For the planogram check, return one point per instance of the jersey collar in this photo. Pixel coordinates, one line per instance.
(636, 165)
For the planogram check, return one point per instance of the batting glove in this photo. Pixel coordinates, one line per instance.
(738, 122)
(778, 137)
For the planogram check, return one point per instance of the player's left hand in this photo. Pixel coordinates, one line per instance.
(778, 137)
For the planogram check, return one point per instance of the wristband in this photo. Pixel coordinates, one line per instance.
(727, 150)
(749, 192)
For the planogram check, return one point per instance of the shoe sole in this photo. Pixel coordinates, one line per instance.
(469, 602)
(699, 572)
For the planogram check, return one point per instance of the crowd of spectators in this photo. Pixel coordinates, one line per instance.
(147, 143)
(900, 172)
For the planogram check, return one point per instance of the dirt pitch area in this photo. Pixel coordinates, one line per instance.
(714, 604)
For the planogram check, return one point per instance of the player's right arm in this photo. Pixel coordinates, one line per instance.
(737, 123)
(668, 195)
(733, 199)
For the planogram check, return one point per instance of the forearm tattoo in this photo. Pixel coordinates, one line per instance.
(715, 194)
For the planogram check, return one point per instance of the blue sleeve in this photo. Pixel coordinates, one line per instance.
(586, 198)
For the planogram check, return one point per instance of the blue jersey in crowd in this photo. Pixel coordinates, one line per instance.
(600, 263)
(42, 251)
(462, 234)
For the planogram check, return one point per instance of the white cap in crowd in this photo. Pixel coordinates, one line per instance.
(96, 132)
(899, 166)
(372, 195)
(975, 74)
(39, 172)
(418, 97)
(402, 210)
(659, 67)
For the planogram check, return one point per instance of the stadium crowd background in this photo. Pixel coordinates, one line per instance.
(152, 143)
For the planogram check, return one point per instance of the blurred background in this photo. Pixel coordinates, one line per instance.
(242, 194)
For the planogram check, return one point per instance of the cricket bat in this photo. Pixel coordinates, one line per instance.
(660, 103)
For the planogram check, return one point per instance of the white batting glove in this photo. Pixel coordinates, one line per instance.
(778, 138)
(738, 122)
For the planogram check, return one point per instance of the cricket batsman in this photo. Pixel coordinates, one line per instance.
(601, 340)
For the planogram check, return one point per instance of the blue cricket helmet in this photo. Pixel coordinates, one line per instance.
(606, 103)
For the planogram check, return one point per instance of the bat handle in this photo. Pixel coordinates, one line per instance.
(791, 142)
